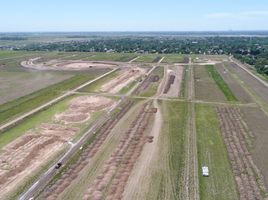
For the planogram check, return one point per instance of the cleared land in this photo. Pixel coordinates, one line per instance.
(150, 87)
(47, 136)
(71, 65)
(173, 81)
(124, 78)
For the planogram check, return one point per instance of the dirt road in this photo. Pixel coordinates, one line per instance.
(191, 190)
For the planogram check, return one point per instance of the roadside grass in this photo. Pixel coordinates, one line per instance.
(95, 87)
(212, 152)
(221, 83)
(152, 89)
(26, 103)
(167, 176)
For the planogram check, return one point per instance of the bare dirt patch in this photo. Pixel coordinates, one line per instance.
(82, 65)
(237, 137)
(54, 191)
(126, 77)
(139, 179)
(173, 81)
(35, 148)
(81, 107)
(25, 155)
(71, 65)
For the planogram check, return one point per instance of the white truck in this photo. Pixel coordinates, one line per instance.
(205, 171)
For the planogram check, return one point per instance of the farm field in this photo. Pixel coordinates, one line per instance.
(205, 87)
(132, 130)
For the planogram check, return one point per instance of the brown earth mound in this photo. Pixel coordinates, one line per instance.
(122, 80)
(81, 107)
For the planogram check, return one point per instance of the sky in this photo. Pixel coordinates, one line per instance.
(132, 15)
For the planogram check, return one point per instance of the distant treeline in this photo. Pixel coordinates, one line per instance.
(252, 50)
(13, 38)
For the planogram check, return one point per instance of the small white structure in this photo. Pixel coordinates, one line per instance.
(205, 171)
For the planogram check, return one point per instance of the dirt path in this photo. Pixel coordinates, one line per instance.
(191, 189)
(140, 178)
(131, 61)
(161, 60)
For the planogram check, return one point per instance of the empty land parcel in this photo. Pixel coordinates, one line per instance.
(135, 144)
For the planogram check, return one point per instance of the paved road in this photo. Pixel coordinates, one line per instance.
(38, 109)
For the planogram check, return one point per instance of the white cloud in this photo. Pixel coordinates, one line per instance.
(238, 15)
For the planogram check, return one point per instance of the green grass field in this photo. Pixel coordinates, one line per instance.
(221, 83)
(212, 152)
(26, 103)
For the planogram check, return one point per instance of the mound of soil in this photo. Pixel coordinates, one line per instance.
(80, 108)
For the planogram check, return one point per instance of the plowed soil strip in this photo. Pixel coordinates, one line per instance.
(54, 190)
(249, 179)
(110, 183)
